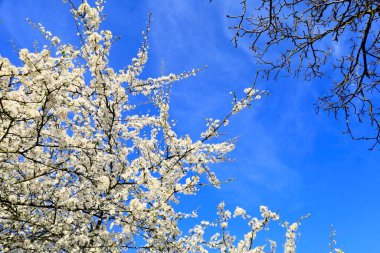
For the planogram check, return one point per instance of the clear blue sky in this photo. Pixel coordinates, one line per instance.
(288, 157)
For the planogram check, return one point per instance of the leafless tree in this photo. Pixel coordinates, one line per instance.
(334, 39)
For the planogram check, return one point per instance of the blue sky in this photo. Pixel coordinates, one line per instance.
(287, 157)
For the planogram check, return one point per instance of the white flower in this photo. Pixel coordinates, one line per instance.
(221, 206)
(55, 40)
(294, 226)
(23, 54)
(103, 182)
(12, 198)
(239, 212)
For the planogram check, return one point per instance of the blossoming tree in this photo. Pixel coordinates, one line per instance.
(85, 168)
